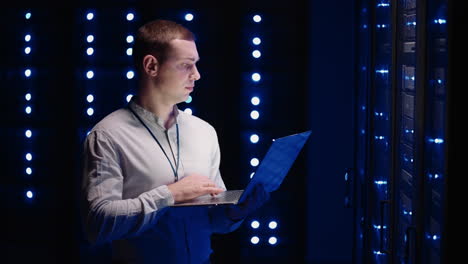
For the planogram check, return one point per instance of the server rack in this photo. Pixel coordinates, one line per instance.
(409, 90)
(436, 134)
(400, 183)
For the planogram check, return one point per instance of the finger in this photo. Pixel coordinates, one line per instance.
(213, 190)
(209, 184)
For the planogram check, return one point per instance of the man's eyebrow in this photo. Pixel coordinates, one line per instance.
(191, 59)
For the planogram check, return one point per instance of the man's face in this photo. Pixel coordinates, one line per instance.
(177, 75)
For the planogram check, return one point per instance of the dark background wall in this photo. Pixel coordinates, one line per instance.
(330, 116)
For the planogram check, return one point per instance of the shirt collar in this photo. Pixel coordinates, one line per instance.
(150, 116)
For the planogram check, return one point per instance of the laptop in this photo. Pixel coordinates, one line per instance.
(270, 172)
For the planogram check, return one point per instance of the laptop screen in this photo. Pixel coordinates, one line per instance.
(277, 162)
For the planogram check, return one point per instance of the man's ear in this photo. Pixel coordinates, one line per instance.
(150, 65)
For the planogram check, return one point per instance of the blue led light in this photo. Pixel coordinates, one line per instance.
(28, 156)
(90, 98)
(27, 38)
(380, 182)
(440, 21)
(272, 240)
(254, 162)
(28, 171)
(90, 38)
(130, 75)
(257, 18)
(383, 4)
(27, 73)
(256, 77)
(382, 71)
(129, 52)
(254, 138)
(377, 252)
(90, 111)
(89, 74)
(436, 140)
(28, 133)
(255, 240)
(432, 237)
(189, 99)
(256, 41)
(129, 39)
(255, 100)
(29, 194)
(27, 50)
(273, 225)
(255, 224)
(90, 16)
(254, 114)
(130, 16)
(27, 97)
(188, 17)
(406, 159)
(405, 212)
(251, 175)
(27, 15)
(89, 51)
(28, 110)
(256, 54)
(129, 97)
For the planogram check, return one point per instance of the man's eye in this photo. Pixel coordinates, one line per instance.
(186, 66)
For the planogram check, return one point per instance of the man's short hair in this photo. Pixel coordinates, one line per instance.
(153, 39)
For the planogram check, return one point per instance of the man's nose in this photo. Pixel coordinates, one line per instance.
(195, 75)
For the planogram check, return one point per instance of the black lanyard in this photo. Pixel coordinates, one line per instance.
(175, 170)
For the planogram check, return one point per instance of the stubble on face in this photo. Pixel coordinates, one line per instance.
(177, 75)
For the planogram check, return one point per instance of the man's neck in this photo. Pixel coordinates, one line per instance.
(161, 109)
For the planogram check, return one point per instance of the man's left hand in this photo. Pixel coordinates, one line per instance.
(255, 200)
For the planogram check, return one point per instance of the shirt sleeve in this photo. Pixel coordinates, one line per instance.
(220, 222)
(106, 215)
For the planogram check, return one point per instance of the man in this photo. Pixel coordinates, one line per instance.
(141, 159)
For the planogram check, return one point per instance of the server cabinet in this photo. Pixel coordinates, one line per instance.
(401, 120)
(409, 89)
(436, 125)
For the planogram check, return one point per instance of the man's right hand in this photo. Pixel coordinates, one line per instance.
(192, 186)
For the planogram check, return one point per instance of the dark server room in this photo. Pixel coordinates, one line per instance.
(335, 118)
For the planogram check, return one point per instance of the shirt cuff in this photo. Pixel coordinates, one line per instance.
(162, 196)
